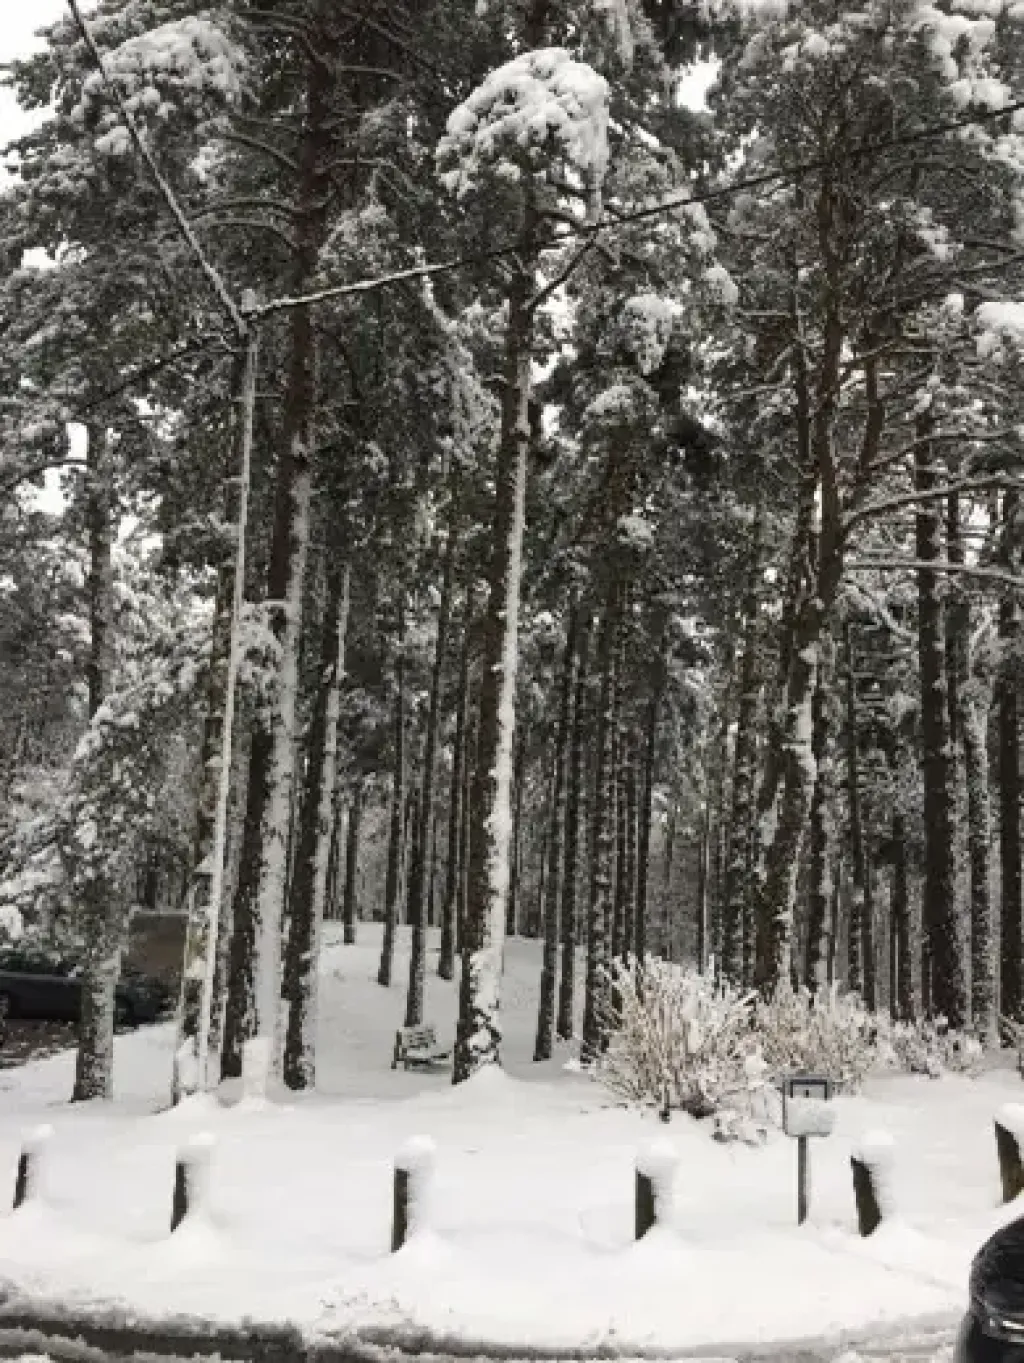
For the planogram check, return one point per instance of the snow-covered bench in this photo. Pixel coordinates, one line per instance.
(415, 1046)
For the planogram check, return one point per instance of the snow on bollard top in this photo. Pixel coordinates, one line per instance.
(417, 1155)
(875, 1149)
(1011, 1116)
(34, 1139)
(657, 1160)
(198, 1148)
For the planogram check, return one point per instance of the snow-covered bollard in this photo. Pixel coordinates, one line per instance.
(27, 1181)
(1009, 1124)
(255, 1071)
(192, 1178)
(655, 1174)
(872, 1159)
(414, 1168)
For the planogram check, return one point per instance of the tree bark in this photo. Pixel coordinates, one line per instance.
(1011, 918)
(478, 1034)
(198, 900)
(573, 811)
(595, 1004)
(417, 900)
(104, 918)
(557, 851)
(823, 831)
(308, 897)
(392, 880)
(858, 858)
(645, 812)
(456, 803)
(942, 976)
(738, 888)
(349, 900)
(512, 906)
(973, 729)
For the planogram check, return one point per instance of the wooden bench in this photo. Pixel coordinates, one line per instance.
(417, 1046)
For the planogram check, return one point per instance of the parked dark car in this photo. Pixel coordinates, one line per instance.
(37, 984)
(993, 1329)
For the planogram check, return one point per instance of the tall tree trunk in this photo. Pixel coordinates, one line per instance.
(198, 940)
(573, 812)
(858, 858)
(823, 830)
(944, 966)
(512, 906)
(557, 851)
(620, 886)
(103, 909)
(355, 823)
(456, 803)
(703, 935)
(259, 905)
(632, 809)
(974, 728)
(332, 912)
(417, 900)
(645, 812)
(901, 1003)
(1011, 918)
(595, 1004)
(392, 879)
(738, 889)
(308, 897)
(478, 1034)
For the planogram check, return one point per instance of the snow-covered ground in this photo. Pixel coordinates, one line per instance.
(529, 1238)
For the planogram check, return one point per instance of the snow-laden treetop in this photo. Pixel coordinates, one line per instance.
(542, 108)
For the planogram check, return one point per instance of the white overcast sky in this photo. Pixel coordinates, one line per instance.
(18, 23)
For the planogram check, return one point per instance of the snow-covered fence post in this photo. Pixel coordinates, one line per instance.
(655, 1173)
(1009, 1124)
(414, 1165)
(27, 1180)
(192, 1178)
(871, 1160)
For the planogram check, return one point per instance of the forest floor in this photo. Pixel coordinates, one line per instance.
(530, 1216)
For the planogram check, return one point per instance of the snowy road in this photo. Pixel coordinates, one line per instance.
(915, 1345)
(906, 1345)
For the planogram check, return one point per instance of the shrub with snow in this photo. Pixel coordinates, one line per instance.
(678, 1040)
(829, 1033)
(927, 1047)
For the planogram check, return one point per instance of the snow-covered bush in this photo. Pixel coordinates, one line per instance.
(829, 1033)
(928, 1047)
(678, 1040)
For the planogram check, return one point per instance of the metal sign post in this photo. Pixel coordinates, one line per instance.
(806, 1112)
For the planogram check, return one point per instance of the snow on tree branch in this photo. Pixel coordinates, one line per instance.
(541, 109)
(186, 64)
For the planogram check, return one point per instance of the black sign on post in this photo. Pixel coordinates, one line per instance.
(804, 1114)
(808, 1086)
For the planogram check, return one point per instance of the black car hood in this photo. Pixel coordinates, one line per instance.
(997, 1275)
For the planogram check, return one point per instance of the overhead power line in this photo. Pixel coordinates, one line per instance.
(676, 203)
(241, 317)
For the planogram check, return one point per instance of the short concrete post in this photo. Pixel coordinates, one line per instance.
(192, 1179)
(872, 1180)
(255, 1071)
(655, 1175)
(27, 1180)
(1009, 1124)
(414, 1167)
